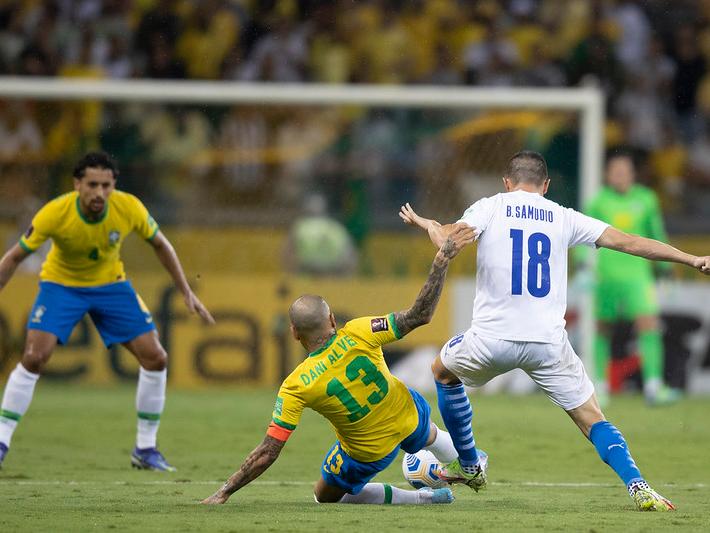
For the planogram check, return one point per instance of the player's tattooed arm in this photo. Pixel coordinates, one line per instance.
(256, 463)
(423, 308)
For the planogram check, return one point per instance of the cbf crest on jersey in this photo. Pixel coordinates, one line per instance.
(113, 237)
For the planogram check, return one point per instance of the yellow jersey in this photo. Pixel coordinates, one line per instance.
(348, 382)
(85, 253)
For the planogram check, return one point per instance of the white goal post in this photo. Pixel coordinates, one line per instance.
(588, 102)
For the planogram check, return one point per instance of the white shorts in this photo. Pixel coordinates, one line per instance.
(555, 368)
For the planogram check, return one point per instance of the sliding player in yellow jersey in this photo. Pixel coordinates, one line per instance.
(345, 379)
(83, 274)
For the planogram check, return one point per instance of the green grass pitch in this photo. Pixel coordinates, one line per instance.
(69, 469)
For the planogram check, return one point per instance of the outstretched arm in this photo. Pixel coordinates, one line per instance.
(256, 463)
(650, 249)
(423, 308)
(9, 263)
(169, 259)
(437, 232)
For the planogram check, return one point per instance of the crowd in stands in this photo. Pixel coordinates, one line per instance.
(649, 57)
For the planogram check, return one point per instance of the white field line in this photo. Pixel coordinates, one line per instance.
(29, 482)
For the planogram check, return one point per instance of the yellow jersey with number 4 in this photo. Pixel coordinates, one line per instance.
(348, 382)
(85, 253)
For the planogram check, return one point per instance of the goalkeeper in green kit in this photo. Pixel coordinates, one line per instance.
(625, 283)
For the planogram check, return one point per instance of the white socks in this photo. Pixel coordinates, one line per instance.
(379, 493)
(150, 400)
(16, 400)
(443, 447)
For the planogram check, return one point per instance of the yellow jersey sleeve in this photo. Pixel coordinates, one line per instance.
(143, 224)
(289, 406)
(374, 330)
(40, 229)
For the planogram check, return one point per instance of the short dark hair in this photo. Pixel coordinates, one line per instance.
(621, 153)
(528, 167)
(95, 160)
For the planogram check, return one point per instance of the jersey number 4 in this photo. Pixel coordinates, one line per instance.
(370, 374)
(538, 264)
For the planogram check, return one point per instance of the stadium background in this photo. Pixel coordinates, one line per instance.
(227, 183)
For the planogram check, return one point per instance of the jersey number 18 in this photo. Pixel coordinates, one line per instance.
(538, 264)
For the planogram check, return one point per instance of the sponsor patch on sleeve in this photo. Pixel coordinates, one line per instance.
(379, 324)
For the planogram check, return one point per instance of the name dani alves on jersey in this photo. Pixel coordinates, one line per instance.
(336, 352)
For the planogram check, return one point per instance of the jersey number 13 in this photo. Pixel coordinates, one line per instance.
(538, 264)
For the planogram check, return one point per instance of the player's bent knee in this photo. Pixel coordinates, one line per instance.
(157, 359)
(35, 360)
(442, 374)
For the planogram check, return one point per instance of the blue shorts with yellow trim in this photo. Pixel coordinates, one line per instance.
(116, 310)
(341, 470)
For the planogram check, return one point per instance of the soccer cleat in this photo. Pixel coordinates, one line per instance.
(438, 495)
(3, 452)
(647, 499)
(454, 473)
(150, 459)
(663, 396)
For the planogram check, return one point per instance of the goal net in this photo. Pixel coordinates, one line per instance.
(212, 153)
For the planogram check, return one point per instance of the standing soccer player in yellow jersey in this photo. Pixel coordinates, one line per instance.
(83, 274)
(345, 379)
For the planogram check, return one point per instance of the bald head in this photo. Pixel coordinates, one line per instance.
(309, 315)
(527, 167)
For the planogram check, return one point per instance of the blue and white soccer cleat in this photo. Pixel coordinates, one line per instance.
(3, 452)
(437, 495)
(150, 459)
(454, 473)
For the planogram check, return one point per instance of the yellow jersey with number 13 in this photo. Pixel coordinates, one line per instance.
(348, 382)
(85, 253)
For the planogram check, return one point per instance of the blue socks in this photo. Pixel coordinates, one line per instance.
(456, 411)
(614, 451)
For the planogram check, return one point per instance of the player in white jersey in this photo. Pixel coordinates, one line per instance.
(518, 316)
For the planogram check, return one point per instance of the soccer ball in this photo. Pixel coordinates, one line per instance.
(420, 468)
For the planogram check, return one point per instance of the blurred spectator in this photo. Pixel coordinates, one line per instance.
(280, 55)
(642, 113)
(593, 61)
(668, 164)
(242, 137)
(211, 32)
(20, 135)
(542, 70)
(526, 32)
(160, 25)
(492, 61)
(319, 245)
(690, 69)
(634, 34)
(445, 71)
(162, 62)
(117, 63)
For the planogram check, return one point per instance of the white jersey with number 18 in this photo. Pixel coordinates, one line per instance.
(521, 277)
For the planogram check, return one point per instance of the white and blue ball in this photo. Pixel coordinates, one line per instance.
(420, 469)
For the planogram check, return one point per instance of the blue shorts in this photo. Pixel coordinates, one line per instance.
(116, 310)
(341, 470)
